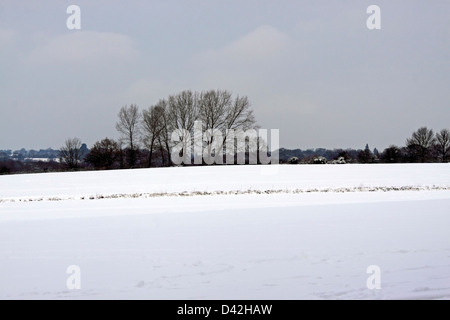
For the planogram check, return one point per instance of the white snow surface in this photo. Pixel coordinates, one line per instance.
(135, 234)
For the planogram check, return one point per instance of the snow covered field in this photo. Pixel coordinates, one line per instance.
(236, 232)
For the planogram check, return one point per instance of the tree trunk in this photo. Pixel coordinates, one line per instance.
(151, 153)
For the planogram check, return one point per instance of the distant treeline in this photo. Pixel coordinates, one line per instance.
(23, 154)
(146, 140)
(423, 146)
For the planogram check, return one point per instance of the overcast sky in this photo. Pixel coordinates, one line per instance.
(311, 69)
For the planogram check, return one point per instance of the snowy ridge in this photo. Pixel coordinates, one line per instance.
(213, 180)
(231, 192)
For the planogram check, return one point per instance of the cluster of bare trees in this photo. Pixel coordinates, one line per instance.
(216, 109)
(145, 136)
(425, 146)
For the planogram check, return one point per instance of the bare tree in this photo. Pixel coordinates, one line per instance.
(181, 115)
(212, 114)
(183, 110)
(70, 153)
(218, 111)
(164, 137)
(443, 144)
(420, 143)
(240, 115)
(128, 126)
(214, 105)
(153, 124)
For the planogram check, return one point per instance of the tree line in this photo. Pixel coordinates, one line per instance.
(423, 146)
(145, 139)
(151, 130)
